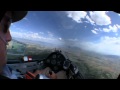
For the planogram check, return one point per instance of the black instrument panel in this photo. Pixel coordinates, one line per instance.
(55, 61)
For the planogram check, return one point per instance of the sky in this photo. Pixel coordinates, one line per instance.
(96, 31)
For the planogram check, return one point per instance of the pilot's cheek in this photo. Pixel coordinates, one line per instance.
(2, 55)
(8, 36)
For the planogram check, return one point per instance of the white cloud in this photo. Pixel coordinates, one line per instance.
(34, 36)
(112, 28)
(96, 17)
(41, 33)
(110, 40)
(12, 24)
(85, 26)
(118, 14)
(60, 38)
(118, 26)
(93, 31)
(76, 15)
(106, 29)
(90, 20)
(116, 34)
(106, 45)
(73, 40)
(96, 29)
(50, 34)
(100, 17)
(86, 21)
(25, 18)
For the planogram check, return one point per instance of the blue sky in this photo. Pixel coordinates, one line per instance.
(92, 30)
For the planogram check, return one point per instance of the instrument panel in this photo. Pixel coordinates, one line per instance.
(55, 61)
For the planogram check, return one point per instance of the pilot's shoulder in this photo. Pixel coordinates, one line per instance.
(8, 72)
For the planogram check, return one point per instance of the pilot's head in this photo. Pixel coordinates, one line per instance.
(5, 36)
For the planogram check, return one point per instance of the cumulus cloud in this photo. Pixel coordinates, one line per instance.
(106, 29)
(93, 31)
(96, 29)
(96, 17)
(118, 26)
(90, 20)
(113, 28)
(106, 45)
(100, 17)
(76, 15)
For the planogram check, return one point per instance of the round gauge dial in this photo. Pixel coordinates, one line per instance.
(54, 56)
(58, 56)
(53, 61)
(59, 63)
